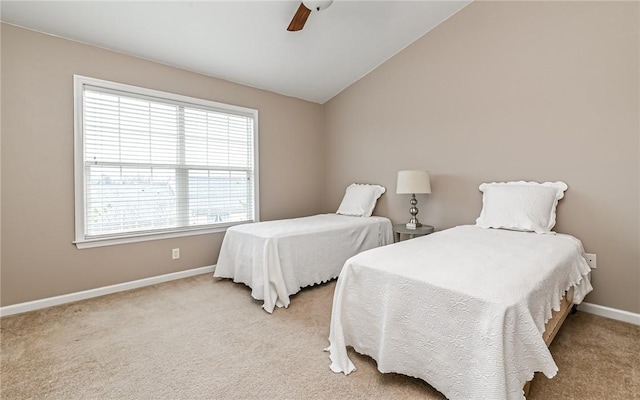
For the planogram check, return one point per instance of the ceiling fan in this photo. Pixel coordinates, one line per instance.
(305, 8)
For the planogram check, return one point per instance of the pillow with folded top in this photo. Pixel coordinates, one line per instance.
(520, 206)
(360, 199)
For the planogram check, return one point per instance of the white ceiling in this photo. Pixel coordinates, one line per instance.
(245, 41)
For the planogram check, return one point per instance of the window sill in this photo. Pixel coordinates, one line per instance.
(101, 242)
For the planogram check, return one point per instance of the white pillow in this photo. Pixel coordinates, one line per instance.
(360, 199)
(520, 206)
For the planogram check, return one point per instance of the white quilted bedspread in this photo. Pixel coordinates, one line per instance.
(464, 309)
(278, 258)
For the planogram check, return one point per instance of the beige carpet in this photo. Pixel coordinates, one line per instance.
(199, 338)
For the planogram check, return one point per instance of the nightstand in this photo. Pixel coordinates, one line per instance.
(401, 229)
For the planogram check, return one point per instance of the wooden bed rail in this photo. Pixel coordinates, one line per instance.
(553, 326)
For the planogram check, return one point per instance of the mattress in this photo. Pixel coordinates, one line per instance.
(463, 309)
(278, 258)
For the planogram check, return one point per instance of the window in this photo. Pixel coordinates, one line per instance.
(151, 164)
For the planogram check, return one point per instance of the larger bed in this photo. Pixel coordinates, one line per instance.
(463, 309)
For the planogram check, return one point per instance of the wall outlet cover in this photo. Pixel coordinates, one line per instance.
(591, 260)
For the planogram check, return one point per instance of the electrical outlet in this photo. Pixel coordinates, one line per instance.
(591, 259)
(175, 254)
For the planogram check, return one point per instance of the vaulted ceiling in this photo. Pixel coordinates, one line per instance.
(245, 41)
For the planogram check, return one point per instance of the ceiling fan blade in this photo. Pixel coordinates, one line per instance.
(299, 19)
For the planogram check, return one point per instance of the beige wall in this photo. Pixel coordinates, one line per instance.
(38, 259)
(501, 91)
(540, 91)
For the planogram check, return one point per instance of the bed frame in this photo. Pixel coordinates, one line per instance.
(553, 326)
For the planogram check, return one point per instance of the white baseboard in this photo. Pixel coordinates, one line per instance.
(88, 294)
(612, 313)
(595, 309)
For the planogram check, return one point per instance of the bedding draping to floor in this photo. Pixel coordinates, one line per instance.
(464, 309)
(278, 258)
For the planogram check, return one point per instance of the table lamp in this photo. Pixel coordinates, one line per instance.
(413, 182)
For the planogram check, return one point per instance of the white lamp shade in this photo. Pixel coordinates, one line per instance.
(413, 182)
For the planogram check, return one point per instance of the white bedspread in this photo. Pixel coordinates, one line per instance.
(277, 258)
(464, 309)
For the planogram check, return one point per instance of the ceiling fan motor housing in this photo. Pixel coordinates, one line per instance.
(317, 5)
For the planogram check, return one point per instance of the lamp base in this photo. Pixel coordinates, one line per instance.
(413, 221)
(411, 225)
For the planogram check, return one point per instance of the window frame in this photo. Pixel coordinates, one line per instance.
(79, 83)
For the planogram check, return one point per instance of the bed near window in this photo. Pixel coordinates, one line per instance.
(464, 309)
(278, 258)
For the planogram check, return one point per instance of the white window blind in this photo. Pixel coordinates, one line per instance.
(154, 163)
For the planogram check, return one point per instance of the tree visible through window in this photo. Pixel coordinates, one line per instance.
(150, 162)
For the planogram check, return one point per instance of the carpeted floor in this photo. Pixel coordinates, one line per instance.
(199, 338)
